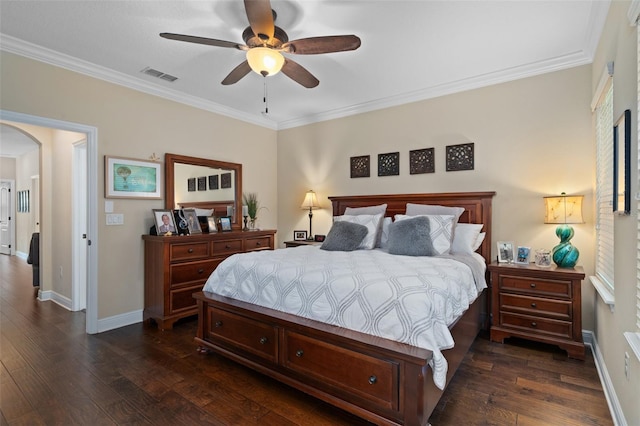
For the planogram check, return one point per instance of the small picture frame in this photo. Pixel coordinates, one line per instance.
(299, 235)
(213, 226)
(165, 223)
(192, 221)
(505, 252)
(522, 256)
(225, 223)
(319, 238)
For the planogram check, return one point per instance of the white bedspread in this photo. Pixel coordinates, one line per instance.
(407, 299)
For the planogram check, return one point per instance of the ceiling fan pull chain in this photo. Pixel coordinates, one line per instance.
(265, 97)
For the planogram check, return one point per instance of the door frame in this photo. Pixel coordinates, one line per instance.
(92, 201)
(79, 227)
(12, 213)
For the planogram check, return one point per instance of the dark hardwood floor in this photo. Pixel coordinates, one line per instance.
(52, 373)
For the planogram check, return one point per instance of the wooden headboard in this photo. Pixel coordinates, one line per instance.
(477, 207)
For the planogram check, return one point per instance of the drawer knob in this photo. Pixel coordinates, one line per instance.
(218, 324)
(190, 250)
(200, 271)
(533, 305)
(258, 244)
(227, 246)
(263, 340)
(373, 380)
(533, 285)
(299, 353)
(534, 324)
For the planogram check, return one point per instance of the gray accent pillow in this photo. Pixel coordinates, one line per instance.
(344, 236)
(411, 237)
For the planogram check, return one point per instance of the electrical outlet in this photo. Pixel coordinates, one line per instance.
(626, 365)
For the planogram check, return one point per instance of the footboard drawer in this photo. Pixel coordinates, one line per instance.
(367, 377)
(243, 333)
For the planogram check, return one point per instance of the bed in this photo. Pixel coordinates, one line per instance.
(379, 379)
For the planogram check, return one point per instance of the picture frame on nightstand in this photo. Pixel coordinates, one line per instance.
(299, 235)
(523, 254)
(505, 252)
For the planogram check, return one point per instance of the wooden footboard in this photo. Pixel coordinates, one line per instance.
(383, 381)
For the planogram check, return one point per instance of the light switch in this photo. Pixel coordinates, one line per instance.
(108, 206)
(115, 219)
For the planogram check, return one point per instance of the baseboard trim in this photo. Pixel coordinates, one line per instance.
(57, 298)
(607, 386)
(120, 320)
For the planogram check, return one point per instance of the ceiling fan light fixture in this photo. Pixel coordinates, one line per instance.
(265, 61)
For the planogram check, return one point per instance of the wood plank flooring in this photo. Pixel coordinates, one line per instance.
(52, 373)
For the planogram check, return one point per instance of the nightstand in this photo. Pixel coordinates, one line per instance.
(288, 244)
(541, 304)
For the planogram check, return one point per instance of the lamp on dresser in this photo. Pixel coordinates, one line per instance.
(310, 202)
(564, 210)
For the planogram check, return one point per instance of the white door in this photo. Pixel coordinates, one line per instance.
(79, 218)
(35, 203)
(7, 214)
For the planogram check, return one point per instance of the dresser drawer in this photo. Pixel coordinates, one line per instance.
(536, 286)
(192, 271)
(189, 251)
(374, 379)
(244, 333)
(226, 248)
(537, 325)
(182, 299)
(263, 243)
(560, 309)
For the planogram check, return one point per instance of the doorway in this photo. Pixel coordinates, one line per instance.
(7, 213)
(91, 231)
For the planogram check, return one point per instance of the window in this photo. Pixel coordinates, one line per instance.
(604, 190)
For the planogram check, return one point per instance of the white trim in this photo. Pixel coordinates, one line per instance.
(22, 255)
(634, 342)
(79, 219)
(634, 12)
(120, 320)
(610, 395)
(50, 295)
(604, 291)
(603, 84)
(92, 201)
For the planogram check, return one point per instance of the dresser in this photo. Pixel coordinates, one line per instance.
(175, 267)
(541, 304)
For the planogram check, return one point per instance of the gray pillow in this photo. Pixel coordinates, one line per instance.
(344, 236)
(411, 237)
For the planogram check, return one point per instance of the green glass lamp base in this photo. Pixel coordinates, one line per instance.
(565, 255)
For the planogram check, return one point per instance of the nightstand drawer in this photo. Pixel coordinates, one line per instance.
(537, 325)
(536, 286)
(559, 309)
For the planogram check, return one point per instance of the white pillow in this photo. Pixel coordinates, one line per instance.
(371, 221)
(479, 241)
(384, 233)
(464, 239)
(441, 230)
(428, 209)
(353, 211)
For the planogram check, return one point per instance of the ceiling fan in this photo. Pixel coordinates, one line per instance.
(265, 44)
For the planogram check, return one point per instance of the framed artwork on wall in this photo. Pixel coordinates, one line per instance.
(131, 178)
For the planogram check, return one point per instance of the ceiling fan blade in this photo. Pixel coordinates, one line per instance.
(203, 40)
(326, 44)
(299, 74)
(260, 18)
(237, 73)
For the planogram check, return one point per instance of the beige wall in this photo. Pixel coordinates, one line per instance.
(7, 168)
(532, 138)
(619, 44)
(136, 125)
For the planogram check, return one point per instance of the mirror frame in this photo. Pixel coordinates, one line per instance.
(169, 163)
(622, 164)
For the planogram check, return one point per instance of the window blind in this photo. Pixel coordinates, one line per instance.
(604, 189)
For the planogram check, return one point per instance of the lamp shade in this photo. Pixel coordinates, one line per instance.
(310, 201)
(265, 61)
(563, 209)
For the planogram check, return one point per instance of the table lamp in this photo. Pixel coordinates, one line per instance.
(310, 202)
(564, 210)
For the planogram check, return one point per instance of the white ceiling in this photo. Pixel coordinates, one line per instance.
(411, 50)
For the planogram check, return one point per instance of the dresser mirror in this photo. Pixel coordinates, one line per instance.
(200, 183)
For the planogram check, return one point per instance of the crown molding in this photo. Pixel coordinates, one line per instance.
(52, 57)
(555, 64)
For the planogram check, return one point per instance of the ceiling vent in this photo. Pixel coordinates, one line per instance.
(159, 74)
